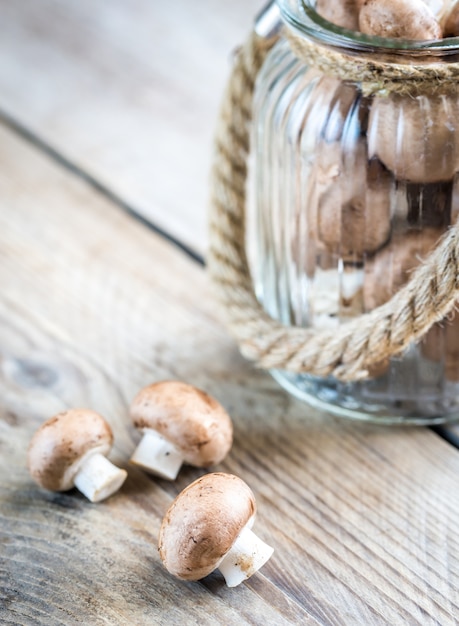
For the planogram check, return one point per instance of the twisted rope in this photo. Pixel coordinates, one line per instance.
(345, 352)
(382, 75)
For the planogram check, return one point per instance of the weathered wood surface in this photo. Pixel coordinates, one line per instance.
(129, 91)
(93, 306)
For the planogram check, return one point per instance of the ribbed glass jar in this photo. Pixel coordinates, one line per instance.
(350, 192)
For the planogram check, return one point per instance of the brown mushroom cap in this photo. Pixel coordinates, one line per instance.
(354, 212)
(59, 447)
(405, 19)
(202, 524)
(188, 418)
(391, 268)
(451, 27)
(344, 13)
(415, 137)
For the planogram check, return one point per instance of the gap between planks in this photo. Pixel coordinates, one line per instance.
(449, 436)
(16, 127)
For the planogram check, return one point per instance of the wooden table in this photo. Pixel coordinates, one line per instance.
(107, 111)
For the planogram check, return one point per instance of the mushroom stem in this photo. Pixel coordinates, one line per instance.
(98, 478)
(247, 554)
(157, 455)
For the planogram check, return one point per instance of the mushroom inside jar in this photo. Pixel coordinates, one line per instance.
(414, 141)
(399, 19)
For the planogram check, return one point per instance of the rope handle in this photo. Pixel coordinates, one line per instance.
(346, 352)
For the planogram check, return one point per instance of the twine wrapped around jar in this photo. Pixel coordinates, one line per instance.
(348, 351)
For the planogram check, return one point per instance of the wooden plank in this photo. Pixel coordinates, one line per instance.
(127, 91)
(92, 307)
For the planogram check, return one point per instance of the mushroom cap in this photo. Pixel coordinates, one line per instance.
(202, 524)
(61, 445)
(391, 268)
(344, 13)
(188, 418)
(354, 212)
(451, 27)
(405, 19)
(416, 137)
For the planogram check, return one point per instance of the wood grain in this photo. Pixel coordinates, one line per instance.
(128, 91)
(92, 307)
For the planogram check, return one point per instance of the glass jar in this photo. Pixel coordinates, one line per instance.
(351, 189)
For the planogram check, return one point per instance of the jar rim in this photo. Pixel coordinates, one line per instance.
(303, 18)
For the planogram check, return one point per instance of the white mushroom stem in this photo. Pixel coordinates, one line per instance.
(98, 478)
(157, 455)
(247, 554)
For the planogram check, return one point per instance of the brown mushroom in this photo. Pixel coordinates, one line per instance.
(450, 20)
(390, 269)
(70, 450)
(416, 138)
(180, 424)
(208, 527)
(404, 19)
(354, 214)
(344, 13)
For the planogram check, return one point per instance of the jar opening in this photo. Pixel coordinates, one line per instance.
(301, 16)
